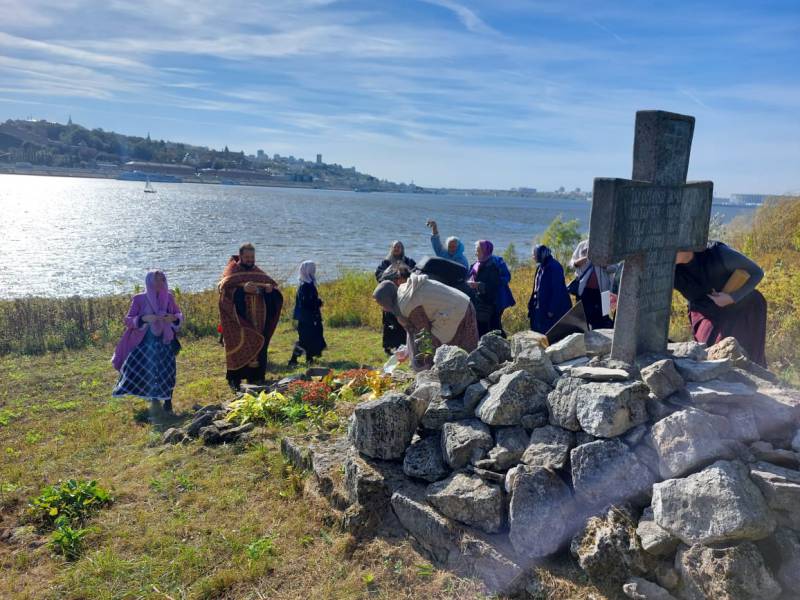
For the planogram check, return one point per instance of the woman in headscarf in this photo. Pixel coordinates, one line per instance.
(424, 305)
(549, 300)
(718, 308)
(308, 316)
(484, 278)
(145, 355)
(393, 333)
(589, 284)
(453, 248)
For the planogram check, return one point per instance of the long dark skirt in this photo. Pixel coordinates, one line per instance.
(489, 319)
(312, 338)
(746, 321)
(394, 335)
(593, 308)
(253, 374)
(149, 371)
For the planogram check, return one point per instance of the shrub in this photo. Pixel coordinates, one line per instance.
(68, 502)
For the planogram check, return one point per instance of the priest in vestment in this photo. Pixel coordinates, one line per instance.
(249, 308)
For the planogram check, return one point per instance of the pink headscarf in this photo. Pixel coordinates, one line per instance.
(159, 305)
(487, 248)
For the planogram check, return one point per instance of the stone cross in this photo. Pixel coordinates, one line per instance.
(645, 222)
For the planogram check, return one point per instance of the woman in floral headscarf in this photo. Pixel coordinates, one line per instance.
(145, 355)
(308, 316)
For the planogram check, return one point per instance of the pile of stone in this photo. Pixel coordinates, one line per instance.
(678, 476)
(209, 426)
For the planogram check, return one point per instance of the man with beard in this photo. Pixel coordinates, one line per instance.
(249, 308)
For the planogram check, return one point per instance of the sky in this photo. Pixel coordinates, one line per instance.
(458, 93)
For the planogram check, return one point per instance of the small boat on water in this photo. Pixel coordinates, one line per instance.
(148, 187)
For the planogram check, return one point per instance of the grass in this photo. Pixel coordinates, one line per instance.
(187, 521)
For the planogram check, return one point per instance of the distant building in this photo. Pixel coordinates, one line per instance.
(319, 159)
(160, 168)
(748, 198)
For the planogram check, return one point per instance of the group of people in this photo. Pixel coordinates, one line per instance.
(444, 300)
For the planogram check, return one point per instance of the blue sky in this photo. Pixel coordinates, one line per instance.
(467, 93)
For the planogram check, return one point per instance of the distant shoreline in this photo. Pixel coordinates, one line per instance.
(114, 175)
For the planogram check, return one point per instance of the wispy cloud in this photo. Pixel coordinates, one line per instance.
(528, 91)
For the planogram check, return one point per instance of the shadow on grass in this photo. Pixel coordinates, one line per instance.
(161, 420)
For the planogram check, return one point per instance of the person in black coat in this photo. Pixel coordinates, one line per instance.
(393, 333)
(308, 315)
(485, 280)
(549, 299)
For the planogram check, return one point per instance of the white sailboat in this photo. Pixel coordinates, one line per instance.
(148, 187)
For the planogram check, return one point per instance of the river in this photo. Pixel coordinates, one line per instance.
(68, 236)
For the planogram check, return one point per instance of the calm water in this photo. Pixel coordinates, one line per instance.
(62, 236)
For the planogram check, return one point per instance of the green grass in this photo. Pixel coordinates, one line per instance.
(187, 521)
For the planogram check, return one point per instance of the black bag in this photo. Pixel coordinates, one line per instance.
(175, 346)
(443, 270)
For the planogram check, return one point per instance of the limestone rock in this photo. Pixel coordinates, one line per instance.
(174, 435)
(572, 346)
(203, 418)
(731, 573)
(474, 394)
(470, 500)
(606, 471)
(610, 409)
(718, 504)
(727, 348)
(450, 364)
(562, 403)
(514, 395)
(549, 447)
(608, 550)
(499, 346)
(383, 428)
(635, 435)
(654, 539)
(598, 341)
(718, 391)
(540, 511)
(510, 444)
(532, 421)
(210, 435)
(434, 532)
(765, 452)
(465, 441)
(599, 374)
(689, 439)
(370, 483)
(699, 371)
(693, 350)
(781, 552)
(233, 434)
(637, 588)
(743, 425)
(443, 410)
(662, 378)
(427, 391)
(529, 356)
(781, 489)
(482, 361)
(566, 367)
(424, 459)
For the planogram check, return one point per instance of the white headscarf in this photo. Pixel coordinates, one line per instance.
(584, 272)
(308, 270)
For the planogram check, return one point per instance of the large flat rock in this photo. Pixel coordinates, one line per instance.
(515, 395)
(718, 504)
(689, 439)
(610, 409)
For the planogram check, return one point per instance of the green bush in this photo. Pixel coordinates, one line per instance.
(68, 502)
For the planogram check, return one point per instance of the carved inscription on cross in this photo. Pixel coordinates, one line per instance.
(645, 222)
